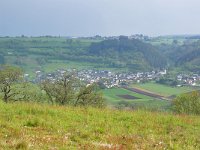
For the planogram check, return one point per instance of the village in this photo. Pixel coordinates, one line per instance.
(188, 80)
(108, 79)
(105, 78)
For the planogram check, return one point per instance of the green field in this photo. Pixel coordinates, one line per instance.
(111, 95)
(163, 89)
(35, 127)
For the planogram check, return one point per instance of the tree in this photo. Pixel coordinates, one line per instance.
(68, 90)
(29, 92)
(62, 90)
(89, 96)
(187, 103)
(9, 76)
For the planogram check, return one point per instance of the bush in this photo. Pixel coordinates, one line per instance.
(187, 103)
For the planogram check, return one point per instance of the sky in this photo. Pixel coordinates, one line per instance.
(99, 17)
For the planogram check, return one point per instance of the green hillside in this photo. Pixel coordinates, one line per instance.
(33, 126)
(50, 53)
(184, 55)
(133, 54)
(45, 53)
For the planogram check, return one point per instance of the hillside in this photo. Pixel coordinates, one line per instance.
(190, 57)
(44, 53)
(185, 55)
(134, 54)
(51, 53)
(33, 126)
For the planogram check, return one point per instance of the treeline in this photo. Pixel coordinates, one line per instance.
(66, 90)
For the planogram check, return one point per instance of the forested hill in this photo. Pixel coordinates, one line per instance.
(190, 59)
(186, 56)
(132, 53)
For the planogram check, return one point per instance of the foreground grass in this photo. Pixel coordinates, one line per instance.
(33, 126)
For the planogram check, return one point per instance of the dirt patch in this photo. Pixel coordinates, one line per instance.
(130, 97)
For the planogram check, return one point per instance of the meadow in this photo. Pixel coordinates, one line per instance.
(164, 90)
(112, 97)
(38, 126)
(115, 96)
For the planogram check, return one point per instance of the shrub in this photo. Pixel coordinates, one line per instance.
(187, 103)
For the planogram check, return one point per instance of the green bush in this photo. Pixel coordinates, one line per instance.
(187, 103)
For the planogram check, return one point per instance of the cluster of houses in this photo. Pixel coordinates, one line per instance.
(109, 79)
(106, 79)
(189, 80)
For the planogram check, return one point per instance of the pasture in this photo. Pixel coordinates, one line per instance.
(163, 90)
(115, 96)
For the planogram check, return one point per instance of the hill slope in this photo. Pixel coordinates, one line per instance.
(186, 56)
(50, 53)
(133, 54)
(190, 57)
(32, 126)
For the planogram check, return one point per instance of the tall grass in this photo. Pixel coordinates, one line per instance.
(34, 126)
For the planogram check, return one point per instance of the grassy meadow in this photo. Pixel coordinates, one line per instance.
(163, 89)
(34, 126)
(112, 97)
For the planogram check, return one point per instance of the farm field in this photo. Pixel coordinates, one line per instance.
(34, 126)
(163, 89)
(116, 95)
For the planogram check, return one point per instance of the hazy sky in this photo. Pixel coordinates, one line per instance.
(102, 17)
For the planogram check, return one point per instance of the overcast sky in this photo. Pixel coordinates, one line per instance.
(102, 17)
